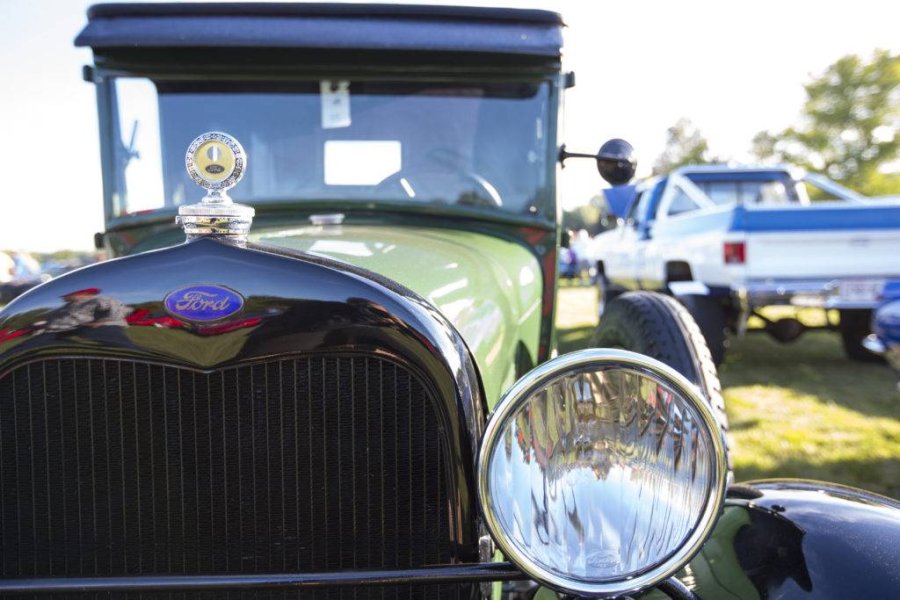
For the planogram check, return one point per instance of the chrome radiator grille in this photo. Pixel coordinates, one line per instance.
(111, 468)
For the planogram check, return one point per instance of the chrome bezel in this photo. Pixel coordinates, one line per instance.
(602, 359)
(240, 159)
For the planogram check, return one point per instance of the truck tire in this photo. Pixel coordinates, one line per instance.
(659, 327)
(710, 317)
(855, 324)
(606, 293)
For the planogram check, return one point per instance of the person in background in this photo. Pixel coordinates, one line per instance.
(18, 274)
(7, 267)
(25, 266)
(580, 245)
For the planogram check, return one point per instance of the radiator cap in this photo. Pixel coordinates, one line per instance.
(216, 162)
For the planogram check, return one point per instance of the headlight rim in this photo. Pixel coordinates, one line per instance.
(603, 358)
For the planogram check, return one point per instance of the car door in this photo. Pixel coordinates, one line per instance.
(664, 239)
(619, 262)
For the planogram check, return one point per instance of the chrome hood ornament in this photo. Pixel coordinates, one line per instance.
(216, 162)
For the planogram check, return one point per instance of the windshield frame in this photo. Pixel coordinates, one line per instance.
(542, 213)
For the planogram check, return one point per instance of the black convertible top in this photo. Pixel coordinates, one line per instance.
(318, 26)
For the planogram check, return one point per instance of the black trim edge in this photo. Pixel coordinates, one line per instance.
(471, 573)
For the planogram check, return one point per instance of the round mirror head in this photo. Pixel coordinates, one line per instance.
(616, 161)
(215, 161)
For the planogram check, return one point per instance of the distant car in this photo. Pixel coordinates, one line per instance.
(729, 241)
(885, 339)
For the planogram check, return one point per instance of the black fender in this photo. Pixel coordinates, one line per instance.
(800, 539)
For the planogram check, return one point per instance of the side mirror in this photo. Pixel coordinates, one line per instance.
(615, 160)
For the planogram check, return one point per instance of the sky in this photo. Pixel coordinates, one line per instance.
(734, 68)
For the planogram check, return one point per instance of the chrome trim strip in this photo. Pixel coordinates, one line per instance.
(465, 573)
(602, 358)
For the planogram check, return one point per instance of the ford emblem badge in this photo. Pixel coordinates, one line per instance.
(203, 302)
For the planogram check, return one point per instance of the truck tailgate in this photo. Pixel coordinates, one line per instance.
(830, 240)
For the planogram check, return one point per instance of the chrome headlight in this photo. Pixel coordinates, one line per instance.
(601, 472)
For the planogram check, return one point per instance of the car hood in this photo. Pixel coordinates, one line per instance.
(489, 288)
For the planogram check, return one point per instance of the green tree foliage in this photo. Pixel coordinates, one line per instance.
(685, 145)
(849, 125)
(586, 216)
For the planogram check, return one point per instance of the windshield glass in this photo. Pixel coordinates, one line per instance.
(748, 189)
(457, 144)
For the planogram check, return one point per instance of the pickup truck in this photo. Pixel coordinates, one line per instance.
(730, 241)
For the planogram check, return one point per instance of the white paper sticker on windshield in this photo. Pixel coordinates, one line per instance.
(335, 103)
(361, 162)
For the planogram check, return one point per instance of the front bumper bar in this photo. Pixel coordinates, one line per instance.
(811, 293)
(469, 573)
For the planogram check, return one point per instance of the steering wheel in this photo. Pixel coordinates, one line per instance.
(432, 183)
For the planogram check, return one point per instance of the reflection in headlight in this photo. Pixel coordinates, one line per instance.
(602, 474)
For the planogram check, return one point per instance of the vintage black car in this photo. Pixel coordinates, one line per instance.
(359, 396)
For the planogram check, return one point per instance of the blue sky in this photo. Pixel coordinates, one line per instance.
(734, 68)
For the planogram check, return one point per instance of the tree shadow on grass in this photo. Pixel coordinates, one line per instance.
(574, 338)
(814, 365)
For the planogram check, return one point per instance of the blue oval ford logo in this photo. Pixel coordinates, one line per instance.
(203, 302)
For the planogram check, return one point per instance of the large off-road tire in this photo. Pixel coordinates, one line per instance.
(855, 325)
(659, 327)
(710, 317)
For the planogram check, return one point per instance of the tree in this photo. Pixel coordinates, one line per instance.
(848, 126)
(586, 216)
(685, 145)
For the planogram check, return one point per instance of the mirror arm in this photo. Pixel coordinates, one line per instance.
(564, 154)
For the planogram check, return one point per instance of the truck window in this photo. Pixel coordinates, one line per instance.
(722, 193)
(765, 192)
(681, 203)
(633, 212)
(729, 193)
(642, 207)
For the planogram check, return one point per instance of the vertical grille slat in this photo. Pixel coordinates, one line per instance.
(314, 463)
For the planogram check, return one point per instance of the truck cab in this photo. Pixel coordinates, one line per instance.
(729, 241)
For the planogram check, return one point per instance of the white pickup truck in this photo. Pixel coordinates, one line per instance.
(729, 241)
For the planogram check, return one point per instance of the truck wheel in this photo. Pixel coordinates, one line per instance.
(659, 327)
(855, 325)
(710, 318)
(606, 293)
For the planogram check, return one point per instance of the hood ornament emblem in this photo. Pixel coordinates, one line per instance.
(216, 162)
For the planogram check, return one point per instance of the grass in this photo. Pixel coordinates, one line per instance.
(795, 410)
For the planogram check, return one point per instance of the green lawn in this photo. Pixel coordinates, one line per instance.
(795, 410)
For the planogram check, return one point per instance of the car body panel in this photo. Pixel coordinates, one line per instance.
(886, 326)
(795, 539)
(801, 539)
(489, 288)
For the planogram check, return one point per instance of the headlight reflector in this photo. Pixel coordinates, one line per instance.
(601, 472)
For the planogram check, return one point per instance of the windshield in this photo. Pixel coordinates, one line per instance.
(455, 144)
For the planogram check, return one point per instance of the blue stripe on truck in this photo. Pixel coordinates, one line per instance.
(815, 218)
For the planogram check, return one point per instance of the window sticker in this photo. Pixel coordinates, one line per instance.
(335, 103)
(361, 162)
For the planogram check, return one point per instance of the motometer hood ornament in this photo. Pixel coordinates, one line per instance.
(216, 162)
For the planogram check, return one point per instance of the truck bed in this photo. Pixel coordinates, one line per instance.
(823, 240)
